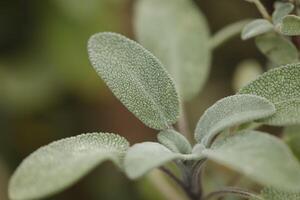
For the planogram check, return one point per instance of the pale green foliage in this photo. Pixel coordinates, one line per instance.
(255, 28)
(290, 25)
(246, 72)
(136, 77)
(277, 49)
(174, 141)
(60, 164)
(177, 33)
(231, 111)
(273, 194)
(281, 86)
(281, 10)
(261, 157)
(292, 138)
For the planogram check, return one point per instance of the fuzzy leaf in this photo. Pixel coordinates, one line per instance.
(292, 138)
(281, 86)
(290, 25)
(277, 49)
(255, 28)
(174, 141)
(143, 157)
(261, 157)
(136, 77)
(231, 111)
(178, 34)
(273, 194)
(60, 164)
(281, 10)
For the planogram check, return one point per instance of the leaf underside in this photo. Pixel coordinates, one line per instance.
(281, 86)
(255, 28)
(54, 167)
(136, 78)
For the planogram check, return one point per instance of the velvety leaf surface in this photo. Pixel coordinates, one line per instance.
(281, 86)
(177, 33)
(136, 78)
(261, 157)
(292, 138)
(277, 49)
(273, 194)
(174, 141)
(281, 10)
(255, 28)
(60, 164)
(231, 111)
(290, 25)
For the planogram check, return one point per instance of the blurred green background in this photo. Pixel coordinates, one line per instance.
(48, 90)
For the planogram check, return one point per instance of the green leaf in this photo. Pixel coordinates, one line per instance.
(262, 157)
(292, 138)
(256, 27)
(143, 157)
(290, 25)
(281, 10)
(277, 49)
(178, 34)
(174, 141)
(281, 86)
(273, 194)
(231, 111)
(136, 77)
(60, 164)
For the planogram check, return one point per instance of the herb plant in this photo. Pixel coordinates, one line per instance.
(177, 33)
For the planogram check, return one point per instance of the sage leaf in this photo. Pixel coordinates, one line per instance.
(231, 111)
(256, 27)
(174, 141)
(274, 194)
(60, 164)
(281, 10)
(292, 138)
(290, 25)
(262, 157)
(143, 157)
(277, 49)
(281, 86)
(136, 77)
(177, 33)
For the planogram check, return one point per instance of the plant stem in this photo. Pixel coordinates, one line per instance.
(232, 191)
(261, 8)
(183, 126)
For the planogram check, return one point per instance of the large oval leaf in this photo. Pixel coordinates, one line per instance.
(261, 157)
(292, 138)
(277, 49)
(177, 33)
(231, 111)
(281, 86)
(58, 165)
(274, 194)
(136, 77)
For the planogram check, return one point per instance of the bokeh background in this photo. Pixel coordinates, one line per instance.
(48, 90)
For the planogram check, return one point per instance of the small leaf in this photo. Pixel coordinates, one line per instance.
(177, 33)
(143, 157)
(273, 194)
(290, 25)
(277, 49)
(281, 10)
(60, 164)
(261, 157)
(255, 28)
(174, 141)
(292, 138)
(281, 86)
(231, 111)
(136, 77)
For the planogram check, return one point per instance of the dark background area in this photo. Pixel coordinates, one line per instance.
(48, 90)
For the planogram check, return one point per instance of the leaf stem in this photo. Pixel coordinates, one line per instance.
(261, 8)
(232, 191)
(183, 126)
